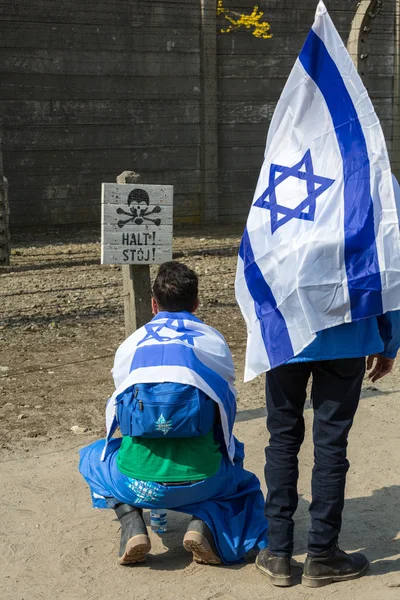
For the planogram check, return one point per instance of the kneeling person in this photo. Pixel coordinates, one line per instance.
(175, 405)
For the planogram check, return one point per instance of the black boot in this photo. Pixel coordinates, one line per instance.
(199, 540)
(276, 568)
(135, 543)
(333, 565)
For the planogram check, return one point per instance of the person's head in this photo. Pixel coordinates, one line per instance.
(175, 288)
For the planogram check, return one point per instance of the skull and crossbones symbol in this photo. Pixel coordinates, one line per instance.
(138, 202)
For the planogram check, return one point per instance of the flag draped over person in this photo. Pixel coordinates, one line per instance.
(321, 245)
(177, 347)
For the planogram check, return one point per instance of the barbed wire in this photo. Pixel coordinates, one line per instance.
(60, 365)
(177, 12)
(55, 290)
(164, 17)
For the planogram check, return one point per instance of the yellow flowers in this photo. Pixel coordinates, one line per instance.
(252, 21)
(220, 9)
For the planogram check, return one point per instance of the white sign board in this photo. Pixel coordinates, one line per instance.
(136, 224)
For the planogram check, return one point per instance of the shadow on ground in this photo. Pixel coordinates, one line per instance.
(366, 528)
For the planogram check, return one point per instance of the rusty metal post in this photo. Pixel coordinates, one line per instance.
(4, 218)
(396, 96)
(209, 111)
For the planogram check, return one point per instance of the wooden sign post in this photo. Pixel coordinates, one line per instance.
(136, 232)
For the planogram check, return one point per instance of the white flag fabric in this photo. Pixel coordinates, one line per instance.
(322, 244)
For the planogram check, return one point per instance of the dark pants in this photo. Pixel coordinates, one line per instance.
(335, 394)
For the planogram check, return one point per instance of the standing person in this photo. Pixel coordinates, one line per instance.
(336, 362)
(318, 283)
(175, 405)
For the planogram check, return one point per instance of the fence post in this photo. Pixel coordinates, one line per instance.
(136, 282)
(396, 96)
(209, 112)
(4, 218)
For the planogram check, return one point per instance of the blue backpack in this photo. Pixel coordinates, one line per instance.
(164, 410)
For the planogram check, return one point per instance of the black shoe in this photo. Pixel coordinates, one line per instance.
(277, 568)
(333, 565)
(135, 543)
(199, 540)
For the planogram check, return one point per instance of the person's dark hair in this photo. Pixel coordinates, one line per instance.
(176, 287)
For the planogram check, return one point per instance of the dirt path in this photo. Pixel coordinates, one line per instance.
(57, 343)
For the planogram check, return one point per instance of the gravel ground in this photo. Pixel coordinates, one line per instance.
(61, 321)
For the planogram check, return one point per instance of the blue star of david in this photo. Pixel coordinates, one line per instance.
(153, 332)
(277, 175)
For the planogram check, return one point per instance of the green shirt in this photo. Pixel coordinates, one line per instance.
(171, 460)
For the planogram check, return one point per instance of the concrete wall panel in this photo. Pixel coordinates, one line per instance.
(90, 89)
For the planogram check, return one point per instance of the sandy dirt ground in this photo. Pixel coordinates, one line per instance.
(61, 320)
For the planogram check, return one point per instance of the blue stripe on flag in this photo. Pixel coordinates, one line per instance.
(361, 257)
(273, 326)
(182, 355)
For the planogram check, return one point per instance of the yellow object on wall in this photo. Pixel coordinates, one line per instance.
(260, 29)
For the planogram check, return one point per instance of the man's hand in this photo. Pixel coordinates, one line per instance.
(382, 366)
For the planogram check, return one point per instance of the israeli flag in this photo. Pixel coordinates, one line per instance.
(179, 348)
(322, 245)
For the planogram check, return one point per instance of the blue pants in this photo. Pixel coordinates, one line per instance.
(335, 395)
(230, 502)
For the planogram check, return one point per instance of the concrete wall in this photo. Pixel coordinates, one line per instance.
(252, 73)
(376, 46)
(90, 89)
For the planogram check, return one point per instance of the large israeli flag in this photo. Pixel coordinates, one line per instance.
(321, 246)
